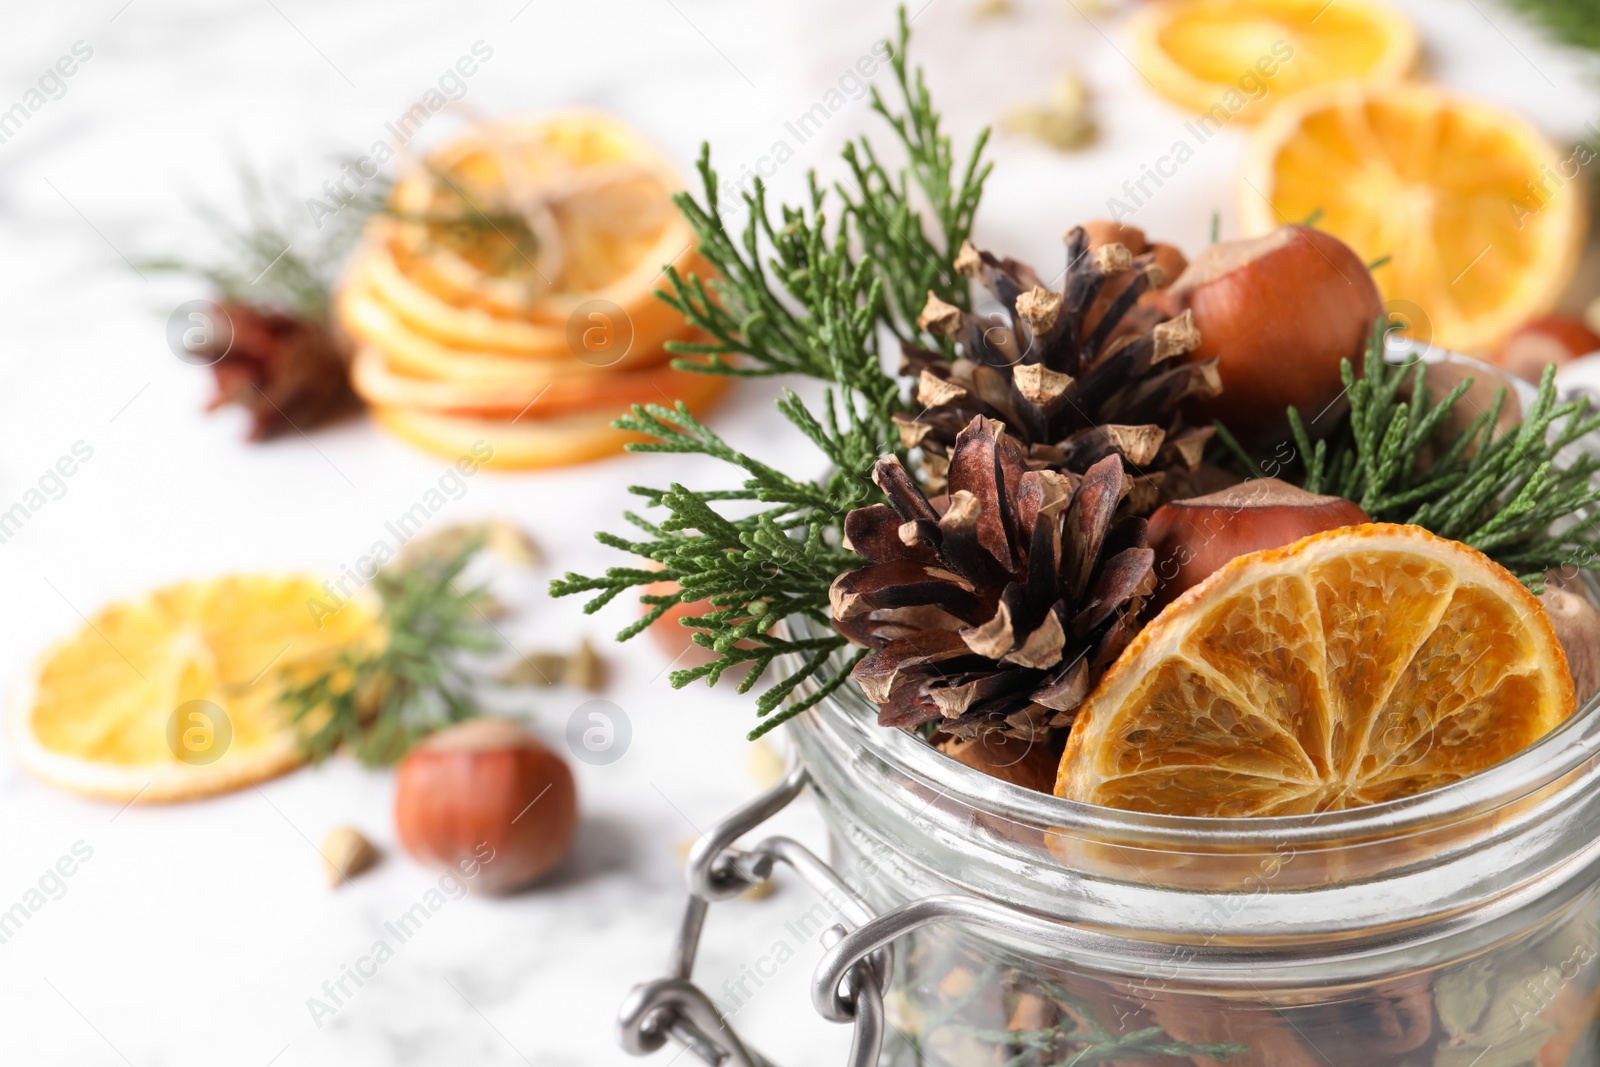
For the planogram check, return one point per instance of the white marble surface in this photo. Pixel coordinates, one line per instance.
(195, 934)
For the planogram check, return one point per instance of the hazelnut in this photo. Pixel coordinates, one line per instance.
(486, 793)
(1279, 313)
(1192, 538)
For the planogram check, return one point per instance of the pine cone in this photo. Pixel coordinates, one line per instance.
(287, 371)
(999, 609)
(1073, 379)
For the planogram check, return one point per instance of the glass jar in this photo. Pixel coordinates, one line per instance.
(1009, 928)
(1460, 928)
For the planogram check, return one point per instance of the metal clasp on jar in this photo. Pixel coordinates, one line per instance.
(849, 981)
(675, 1007)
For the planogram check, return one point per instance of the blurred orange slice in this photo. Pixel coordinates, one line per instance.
(507, 297)
(1352, 667)
(1466, 198)
(1245, 56)
(376, 324)
(539, 393)
(527, 442)
(173, 695)
(540, 331)
(511, 226)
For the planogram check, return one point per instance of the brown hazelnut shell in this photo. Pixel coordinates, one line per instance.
(1278, 313)
(486, 794)
(1192, 538)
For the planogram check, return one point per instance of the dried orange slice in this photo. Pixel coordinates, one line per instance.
(641, 336)
(513, 226)
(1470, 202)
(1237, 59)
(543, 396)
(173, 695)
(541, 333)
(531, 443)
(1352, 667)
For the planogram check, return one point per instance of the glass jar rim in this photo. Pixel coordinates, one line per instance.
(1463, 864)
(1558, 755)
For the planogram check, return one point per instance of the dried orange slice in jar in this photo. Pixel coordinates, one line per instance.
(174, 695)
(1356, 666)
(1469, 202)
(1237, 59)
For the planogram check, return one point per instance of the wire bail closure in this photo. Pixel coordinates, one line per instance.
(849, 989)
(848, 984)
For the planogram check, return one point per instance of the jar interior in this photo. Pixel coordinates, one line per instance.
(1532, 1000)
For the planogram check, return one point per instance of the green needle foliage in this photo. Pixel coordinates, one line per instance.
(275, 257)
(795, 295)
(889, 229)
(1089, 1043)
(1505, 494)
(458, 223)
(1573, 22)
(381, 701)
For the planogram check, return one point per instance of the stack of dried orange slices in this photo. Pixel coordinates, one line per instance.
(506, 295)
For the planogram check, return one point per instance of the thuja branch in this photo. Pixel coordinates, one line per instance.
(380, 701)
(803, 296)
(273, 258)
(794, 292)
(1509, 495)
(880, 204)
(754, 570)
(1570, 21)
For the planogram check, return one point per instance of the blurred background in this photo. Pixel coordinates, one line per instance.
(206, 932)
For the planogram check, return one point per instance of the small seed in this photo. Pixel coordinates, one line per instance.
(498, 536)
(511, 543)
(537, 668)
(586, 670)
(346, 853)
(1065, 123)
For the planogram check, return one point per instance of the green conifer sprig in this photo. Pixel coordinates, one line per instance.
(380, 701)
(880, 204)
(274, 257)
(1510, 495)
(816, 297)
(1572, 22)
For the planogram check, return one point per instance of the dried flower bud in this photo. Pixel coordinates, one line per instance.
(583, 669)
(503, 538)
(511, 543)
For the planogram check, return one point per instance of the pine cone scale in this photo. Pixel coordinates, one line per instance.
(989, 465)
(902, 584)
(874, 533)
(1128, 574)
(1088, 520)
